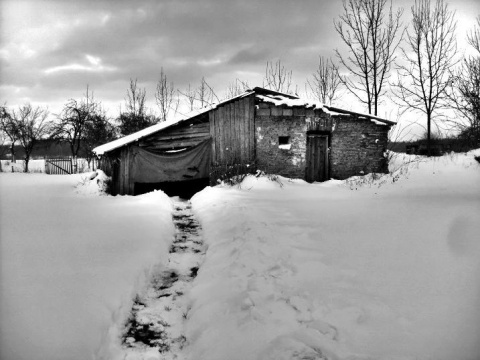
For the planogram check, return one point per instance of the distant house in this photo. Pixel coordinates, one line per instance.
(259, 129)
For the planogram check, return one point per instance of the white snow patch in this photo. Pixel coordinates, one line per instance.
(70, 264)
(297, 270)
(95, 183)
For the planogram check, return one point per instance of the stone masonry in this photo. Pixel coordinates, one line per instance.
(358, 147)
(357, 144)
(271, 122)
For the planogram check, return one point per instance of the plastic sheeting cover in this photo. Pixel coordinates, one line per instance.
(149, 167)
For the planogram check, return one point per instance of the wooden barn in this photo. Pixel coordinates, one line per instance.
(257, 130)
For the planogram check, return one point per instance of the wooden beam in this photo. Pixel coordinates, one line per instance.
(211, 118)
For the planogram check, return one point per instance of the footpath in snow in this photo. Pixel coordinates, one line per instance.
(156, 326)
(71, 260)
(371, 268)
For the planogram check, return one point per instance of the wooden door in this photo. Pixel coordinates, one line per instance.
(317, 158)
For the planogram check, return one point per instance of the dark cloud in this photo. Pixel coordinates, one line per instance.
(50, 49)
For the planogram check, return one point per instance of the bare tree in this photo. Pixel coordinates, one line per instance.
(429, 55)
(236, 88)
(166, 96)
(135, 117)
(73, 121)
(200, 97)
(190, 95)
(31, 126)
(206, 94)
(277, 77)
(3, 149)
(135, 100)
(8, 128)
(98, 130)
(464, 92)
(325, 82)
(474, 36)
(370, 34)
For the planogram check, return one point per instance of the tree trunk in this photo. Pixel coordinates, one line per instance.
(27, 159)
(12, 151)
(75, 164)
(429, 118)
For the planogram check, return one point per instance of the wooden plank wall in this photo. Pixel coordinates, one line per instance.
(186, 134)
(233, 132)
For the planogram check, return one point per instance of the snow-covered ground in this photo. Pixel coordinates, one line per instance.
(325, 272)
(369, 268)
(70, 261)
(35, 166)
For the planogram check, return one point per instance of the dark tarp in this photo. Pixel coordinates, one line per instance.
(148, 167)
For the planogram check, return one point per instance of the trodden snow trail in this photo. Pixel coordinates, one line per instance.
(156, 324)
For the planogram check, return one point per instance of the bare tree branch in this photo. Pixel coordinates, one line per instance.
(277, 77)
(463, 93)
(236, 88)
(371, 38)
(430, 53)
(190, 95)
(8, 127)
(165, 96)
(31, 126)
(73, 120)
(325, 82)
(135, 117)
(135, 100)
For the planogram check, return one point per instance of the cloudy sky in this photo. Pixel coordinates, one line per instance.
(51, 49)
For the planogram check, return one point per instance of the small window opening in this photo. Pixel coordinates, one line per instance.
(283, 140)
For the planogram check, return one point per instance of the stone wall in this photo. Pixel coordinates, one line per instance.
(357, 147)
(271, 122)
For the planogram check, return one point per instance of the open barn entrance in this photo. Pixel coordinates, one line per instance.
(184, 189)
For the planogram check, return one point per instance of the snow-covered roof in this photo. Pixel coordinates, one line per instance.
(278, 99)
(102, 149)
(265, 95)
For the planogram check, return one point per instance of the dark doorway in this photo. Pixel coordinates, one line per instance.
(183, 189)
(317, 158)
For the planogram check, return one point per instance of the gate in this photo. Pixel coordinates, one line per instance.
(317, 158)
(58, 166)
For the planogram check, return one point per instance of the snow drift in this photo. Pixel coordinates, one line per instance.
(71, 262)
(300, 271)
(375, 267)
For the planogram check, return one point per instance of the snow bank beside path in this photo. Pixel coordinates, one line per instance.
(323, 272)
(70, 262)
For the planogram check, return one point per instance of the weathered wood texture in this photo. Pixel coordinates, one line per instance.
(317, 158)
(184, 135)
(233, 133)
(58, 166)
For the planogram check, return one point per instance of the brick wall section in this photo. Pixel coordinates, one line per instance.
(270, 123)
(357, 146)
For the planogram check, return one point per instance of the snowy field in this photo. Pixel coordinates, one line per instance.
(35, 166)
(377, 269)
(324, 272)
(70, 261)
